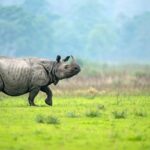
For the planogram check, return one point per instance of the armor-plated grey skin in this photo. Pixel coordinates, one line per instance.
(19, 76)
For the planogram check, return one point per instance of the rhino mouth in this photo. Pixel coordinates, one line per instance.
(72, 73)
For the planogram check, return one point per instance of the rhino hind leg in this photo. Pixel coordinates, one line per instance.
(48, 92)
(32, 96)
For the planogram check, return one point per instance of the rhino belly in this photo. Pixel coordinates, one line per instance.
(15, 91)
(15, 87)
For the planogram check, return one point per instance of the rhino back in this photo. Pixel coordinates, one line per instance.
(16, 74)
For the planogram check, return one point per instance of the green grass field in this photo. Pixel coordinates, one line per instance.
(76, 123)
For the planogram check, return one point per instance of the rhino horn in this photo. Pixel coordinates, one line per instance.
(73, 59)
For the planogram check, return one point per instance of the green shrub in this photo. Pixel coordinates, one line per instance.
(52, 120)
(100, 106)
(140, 113)
(92, 113)
(40, 119)
(135, 138)
(119, 114)
(71, 115)
(47, 120)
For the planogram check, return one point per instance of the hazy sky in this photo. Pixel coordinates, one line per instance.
(132, 7)
(127, 7)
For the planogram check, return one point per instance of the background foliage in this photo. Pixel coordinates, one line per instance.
(111, 32)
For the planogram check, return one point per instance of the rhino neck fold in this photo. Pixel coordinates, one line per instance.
(50, 70)
(52, 75)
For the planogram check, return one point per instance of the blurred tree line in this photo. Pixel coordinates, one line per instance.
(36, 28)
(24, 32)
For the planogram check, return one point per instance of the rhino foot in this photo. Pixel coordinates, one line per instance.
(48, 102)
(32, 104)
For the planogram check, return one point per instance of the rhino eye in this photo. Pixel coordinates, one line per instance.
(66, 66)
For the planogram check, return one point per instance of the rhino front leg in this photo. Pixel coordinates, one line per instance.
(32, 95)
(49, 94)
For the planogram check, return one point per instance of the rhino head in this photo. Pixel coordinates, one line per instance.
(66, 67)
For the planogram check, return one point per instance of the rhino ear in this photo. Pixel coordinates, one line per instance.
(66, 59)
(58, 58)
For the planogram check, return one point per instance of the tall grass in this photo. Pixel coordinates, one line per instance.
(134, 79)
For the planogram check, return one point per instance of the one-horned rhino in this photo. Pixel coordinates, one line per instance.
(31, 75)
